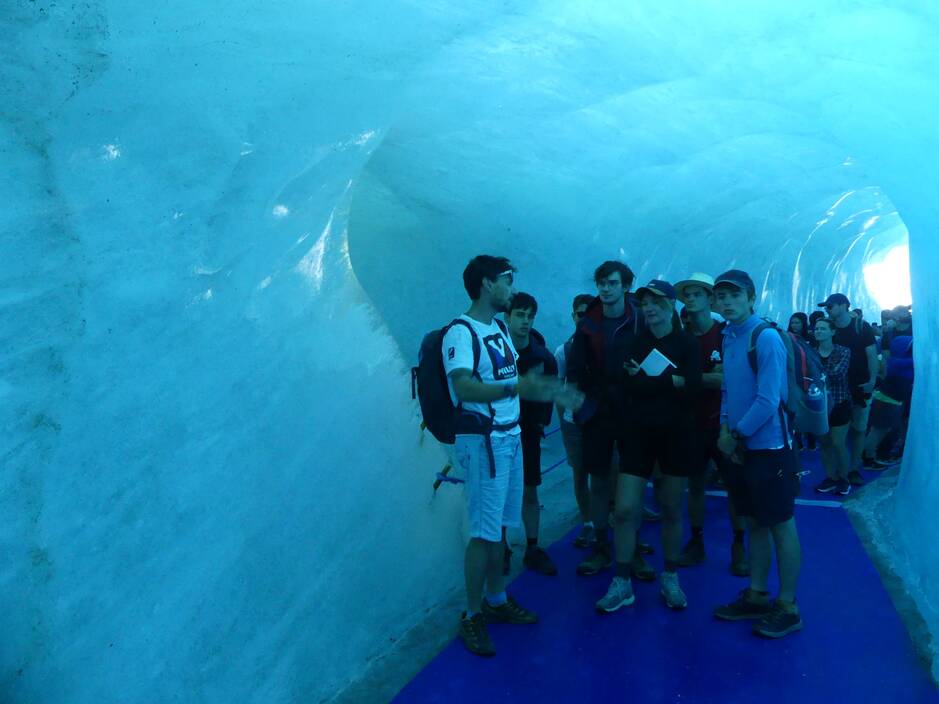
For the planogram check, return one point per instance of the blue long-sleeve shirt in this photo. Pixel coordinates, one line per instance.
(750, 402)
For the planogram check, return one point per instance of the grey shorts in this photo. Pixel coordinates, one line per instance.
(491, 501)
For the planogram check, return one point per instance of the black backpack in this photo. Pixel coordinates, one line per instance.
(429, 386)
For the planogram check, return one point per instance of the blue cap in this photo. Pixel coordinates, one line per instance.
(737, 279)
(835, 299)
(657, 287)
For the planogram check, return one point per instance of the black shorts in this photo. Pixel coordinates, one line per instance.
(531, 456)
(671, 446)
(601, 435)
(765, 486)
(704, 450)
(840, 414)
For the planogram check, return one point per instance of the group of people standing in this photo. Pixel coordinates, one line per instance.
(641, 397)
(869, 374)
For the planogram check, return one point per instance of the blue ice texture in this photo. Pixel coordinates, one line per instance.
(225, 226)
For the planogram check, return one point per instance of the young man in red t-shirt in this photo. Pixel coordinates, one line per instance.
(697, 294)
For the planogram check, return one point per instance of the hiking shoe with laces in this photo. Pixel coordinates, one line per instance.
(844, 487)
(739, 564)
(509, 612)
(537, 560)
(600, 559)
(778, 622)
(641, 569)
(585, 537)
(855, 478)
(619, 594)
(474, 635)
(743, 608)
(692, 553)
(827, 486)
(506, 561)
(671, 591)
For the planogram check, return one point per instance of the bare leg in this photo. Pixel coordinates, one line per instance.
(839, 451)
(531, 512)
(761, 555)
(628, 510)
(670, 492)
(788, 557)
(475, 569)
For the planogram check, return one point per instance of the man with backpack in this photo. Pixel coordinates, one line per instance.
(697, 293)
(852, 332)
(755, 434)
(480, 363)
(533, 356)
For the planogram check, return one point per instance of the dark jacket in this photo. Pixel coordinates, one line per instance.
(536, 415)
(590, 359)
(656, 401)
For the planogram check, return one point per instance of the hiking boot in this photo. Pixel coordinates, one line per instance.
(844, 487)
(585, 537)
(827, 486)
(855, 478)
(650, 514)
(743, 608)
(692, 553)
(645, 548)
(506, 561)
(537, 560)
(671, 591)
(641, 569)
(739, 564)
(600, 559)
(619, 594)
(509, 612)
(474, 635)
(778, 622)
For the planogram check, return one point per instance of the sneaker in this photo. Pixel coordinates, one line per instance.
(506, 561)
(585, 537)
(645, 548)
(474, 635)
(509, 612)
(827, 486)
(692, 553)
(641, 569)
(619, 594)
(537, 560)
(844, 487)
(650, 514)
(778, 622)
(600, 559)
(671, 591)
(855, 478)
(743, 608)
(739, 564)
(868, 462)
(880, 465)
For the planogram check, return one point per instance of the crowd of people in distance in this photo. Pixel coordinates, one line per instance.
(680, 395)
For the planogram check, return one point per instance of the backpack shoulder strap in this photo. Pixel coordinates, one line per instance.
(751, 349)
(474, 337)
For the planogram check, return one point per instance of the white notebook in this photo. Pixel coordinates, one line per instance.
(655, 363)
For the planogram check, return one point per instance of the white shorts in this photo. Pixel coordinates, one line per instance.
(491, 502)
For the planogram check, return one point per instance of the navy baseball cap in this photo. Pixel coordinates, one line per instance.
(835, 299)
(657, 287)
(737, 279)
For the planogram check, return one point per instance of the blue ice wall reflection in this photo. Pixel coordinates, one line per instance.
(227, 223)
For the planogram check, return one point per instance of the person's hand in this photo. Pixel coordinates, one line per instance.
(569, 397)
(538, 387)
(632, 367)
(727, 444)
(867, 388)
(678, 381)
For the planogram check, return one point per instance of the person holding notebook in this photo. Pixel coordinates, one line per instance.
(661, 376)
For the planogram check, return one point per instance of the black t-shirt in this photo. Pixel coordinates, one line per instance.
(857, 338)
(656, 400)
(533, 413)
